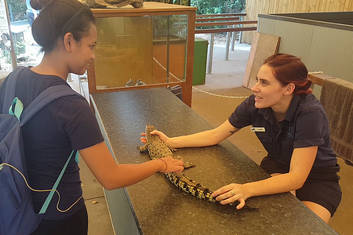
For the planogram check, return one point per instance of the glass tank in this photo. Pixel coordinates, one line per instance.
(140, 50)
(137, 48)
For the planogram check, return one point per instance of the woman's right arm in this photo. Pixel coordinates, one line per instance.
(201, 139)
(112, 175)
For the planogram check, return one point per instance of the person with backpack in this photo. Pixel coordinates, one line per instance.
(66, 31)
(293, 128)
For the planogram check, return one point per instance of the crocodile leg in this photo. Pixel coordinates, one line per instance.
(187, 165)
(143, 148)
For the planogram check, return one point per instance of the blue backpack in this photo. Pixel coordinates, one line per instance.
(17, 215)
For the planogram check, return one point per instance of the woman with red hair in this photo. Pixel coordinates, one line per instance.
(292, 126)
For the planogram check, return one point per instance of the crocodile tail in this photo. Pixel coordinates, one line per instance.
(189, 186)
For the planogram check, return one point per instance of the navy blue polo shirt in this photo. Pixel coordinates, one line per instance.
(305, 125)
(63, 125)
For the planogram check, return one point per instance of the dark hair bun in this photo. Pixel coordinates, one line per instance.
(40, 4)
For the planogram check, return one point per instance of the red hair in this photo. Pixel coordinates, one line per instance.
(290, 69)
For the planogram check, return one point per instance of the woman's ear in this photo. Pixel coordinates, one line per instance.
(290, 88)
(68, 41)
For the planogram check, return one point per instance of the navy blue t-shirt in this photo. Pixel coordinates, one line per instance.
(305, 125)
(49, 137)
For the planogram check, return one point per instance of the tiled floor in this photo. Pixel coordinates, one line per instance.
(223, 95)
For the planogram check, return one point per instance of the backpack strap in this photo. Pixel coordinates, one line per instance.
(16, 108)
(50, 195)
(10, 88)
(45, 97)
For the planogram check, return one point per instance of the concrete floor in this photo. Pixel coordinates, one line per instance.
(215, 101)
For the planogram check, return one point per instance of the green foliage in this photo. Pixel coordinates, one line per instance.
(17, 9)
(218, 6)
(19, 43)
(173, 26)
(178, 2)
(210, 6)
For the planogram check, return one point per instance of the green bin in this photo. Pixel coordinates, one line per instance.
(200, 60)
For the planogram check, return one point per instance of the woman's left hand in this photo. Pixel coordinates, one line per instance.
(231, 193)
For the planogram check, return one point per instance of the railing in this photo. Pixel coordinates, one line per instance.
(225, 23)
(233, 23)
(217, 19)
(224, 14)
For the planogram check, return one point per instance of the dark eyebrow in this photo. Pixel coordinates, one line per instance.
(262, 80)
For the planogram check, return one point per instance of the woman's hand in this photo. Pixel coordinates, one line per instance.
(170, 164)
(231, 193)
(161, 135)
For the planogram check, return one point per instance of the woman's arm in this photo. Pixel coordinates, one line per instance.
(300, 166)
(200, 139)
(112, 175)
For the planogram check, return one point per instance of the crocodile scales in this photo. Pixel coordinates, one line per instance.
(157, 149)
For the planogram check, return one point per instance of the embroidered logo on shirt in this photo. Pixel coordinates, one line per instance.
(258, 129)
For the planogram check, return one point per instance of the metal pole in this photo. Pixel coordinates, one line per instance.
(240, 33)
(233, 39)
(210, 54)
(13, 55)
(227, 46)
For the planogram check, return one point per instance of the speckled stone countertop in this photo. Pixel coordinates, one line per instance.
(158, 207)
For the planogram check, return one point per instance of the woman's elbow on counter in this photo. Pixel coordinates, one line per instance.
(297, 182)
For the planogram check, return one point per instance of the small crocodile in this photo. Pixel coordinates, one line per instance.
(112, 3)
(156, 148)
